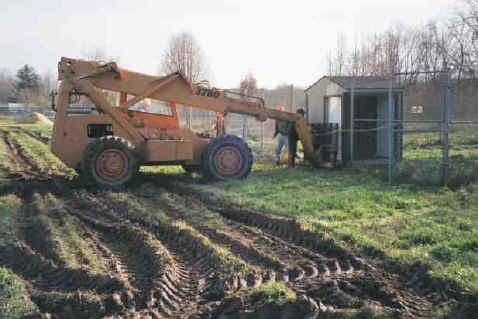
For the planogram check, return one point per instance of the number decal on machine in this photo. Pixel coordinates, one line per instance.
(208, 92)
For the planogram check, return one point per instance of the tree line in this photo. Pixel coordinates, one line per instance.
(438, 46)
(27, 86)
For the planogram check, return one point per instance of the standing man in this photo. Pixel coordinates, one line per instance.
(282, 131)
(293, 138)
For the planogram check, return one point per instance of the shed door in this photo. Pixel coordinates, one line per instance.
(365, 142)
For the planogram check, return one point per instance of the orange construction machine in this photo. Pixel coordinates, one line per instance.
(134, 121)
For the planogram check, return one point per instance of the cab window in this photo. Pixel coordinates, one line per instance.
(152, 107)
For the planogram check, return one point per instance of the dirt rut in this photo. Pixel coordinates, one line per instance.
(21, 166)
(167, 252)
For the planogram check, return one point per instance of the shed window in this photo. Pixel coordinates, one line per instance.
(334, 109)
(417, 109)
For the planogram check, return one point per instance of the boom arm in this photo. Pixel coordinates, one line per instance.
(88, 75)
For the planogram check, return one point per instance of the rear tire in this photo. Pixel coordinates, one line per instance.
(110, 161)
(226, 158)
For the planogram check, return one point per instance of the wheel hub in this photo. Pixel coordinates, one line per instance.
(112, 164)
(228, 161)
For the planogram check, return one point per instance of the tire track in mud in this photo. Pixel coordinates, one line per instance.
(291, 262)
(23, 169)
(133, 260)
(33, 134)
(158, 269)
(52, 284)
(26, 167)
(331, 280)
(77, 293)
(170, 288)
(237, 245)
(179, 264)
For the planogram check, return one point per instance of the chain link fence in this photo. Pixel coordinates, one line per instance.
(437, 130)
(431, 138)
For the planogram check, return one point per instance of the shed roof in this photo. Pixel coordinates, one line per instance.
(360, 82)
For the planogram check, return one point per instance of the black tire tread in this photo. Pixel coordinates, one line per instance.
(106, 142)
(208, 167)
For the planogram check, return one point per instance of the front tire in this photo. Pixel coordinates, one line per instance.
(226, 158)
(110, 161)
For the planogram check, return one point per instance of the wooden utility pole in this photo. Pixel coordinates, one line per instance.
(291, 98)
(245, 128)
(446, 129)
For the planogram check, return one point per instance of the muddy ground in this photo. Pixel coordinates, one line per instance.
(161, 250)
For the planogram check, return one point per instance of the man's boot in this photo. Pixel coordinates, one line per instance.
(291, 163)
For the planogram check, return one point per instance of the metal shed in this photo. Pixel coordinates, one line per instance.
(329, 100)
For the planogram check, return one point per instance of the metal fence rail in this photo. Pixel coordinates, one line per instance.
(441, 124)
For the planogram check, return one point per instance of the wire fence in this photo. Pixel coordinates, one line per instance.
(426, 134)
(427, 141)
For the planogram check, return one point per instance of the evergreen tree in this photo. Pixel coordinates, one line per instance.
(27, 85)
(27, 79)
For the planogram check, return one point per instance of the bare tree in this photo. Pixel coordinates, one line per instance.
(354, 61)
(47, 85)
(336, 63)
(249, 84)
(184, 55)
(468, 18)
(100, 54)
(6, 86)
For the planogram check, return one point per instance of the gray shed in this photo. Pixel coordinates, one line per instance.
(329, 101)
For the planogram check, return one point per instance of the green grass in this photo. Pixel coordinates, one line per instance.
(41, 153)
(147, 208)
(422, 158)
(14, 301)
(9, 206)
(65, 237)
(274, 292)
(413, 220)
(436, 226)
(6, 120)
(6, 165)
(77, 250)
(44, 130)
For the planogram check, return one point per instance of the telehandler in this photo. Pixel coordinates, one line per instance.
(108, 142)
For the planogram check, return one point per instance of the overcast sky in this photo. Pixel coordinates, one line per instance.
(278, 41)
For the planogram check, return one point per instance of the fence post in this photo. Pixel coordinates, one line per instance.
(189, 117)
(390, 129)
(244, 128)
(291, 98)
(352, 120)
(262, 137)
(262, 126)
(446, 130)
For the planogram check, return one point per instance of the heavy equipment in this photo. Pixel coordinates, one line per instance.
(134, 121)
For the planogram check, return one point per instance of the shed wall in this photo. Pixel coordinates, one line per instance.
(316, 98)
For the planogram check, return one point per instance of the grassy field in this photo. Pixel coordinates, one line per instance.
(408, 223)
(436, 226)
(13, 298)
(422, 158)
